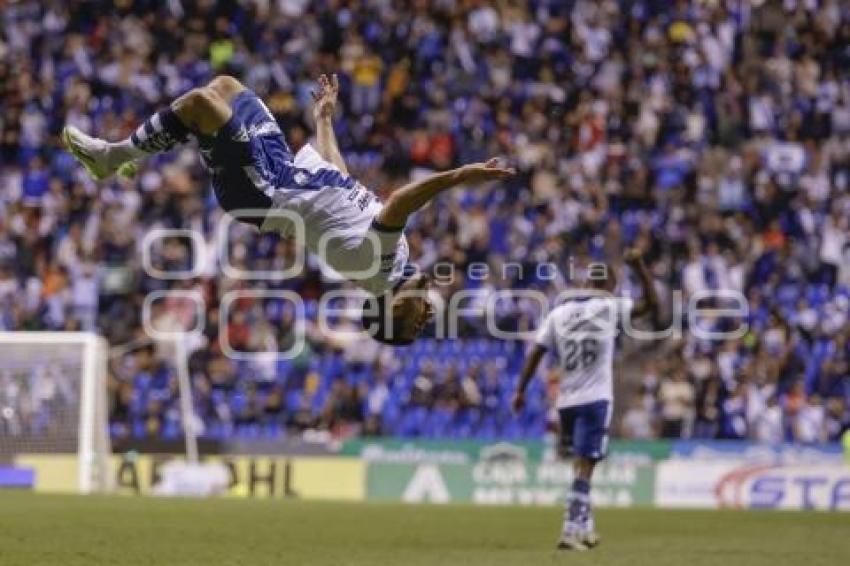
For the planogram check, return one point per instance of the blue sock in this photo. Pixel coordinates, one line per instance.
(581, 486)
(160, 132)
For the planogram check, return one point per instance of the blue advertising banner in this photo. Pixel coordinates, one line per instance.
(21, 478)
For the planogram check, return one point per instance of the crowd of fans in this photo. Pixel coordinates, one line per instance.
(713, 135)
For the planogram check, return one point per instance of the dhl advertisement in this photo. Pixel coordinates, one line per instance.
(247, 476)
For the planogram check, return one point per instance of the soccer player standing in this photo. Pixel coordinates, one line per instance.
(581, 333)
(254, 170)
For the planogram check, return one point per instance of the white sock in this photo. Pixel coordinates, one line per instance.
(123, 151)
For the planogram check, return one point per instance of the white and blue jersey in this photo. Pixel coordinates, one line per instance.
(253, 168)
(581, 334)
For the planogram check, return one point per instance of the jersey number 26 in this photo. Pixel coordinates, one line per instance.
(580, 353)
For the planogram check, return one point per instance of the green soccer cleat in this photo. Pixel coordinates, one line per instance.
(91, 153)
(128, 170)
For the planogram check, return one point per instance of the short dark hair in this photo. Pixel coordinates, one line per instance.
(375, 322)
(374, 315)
(603, 282)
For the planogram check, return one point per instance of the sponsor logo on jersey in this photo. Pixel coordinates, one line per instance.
(264, 129)
(241, 136)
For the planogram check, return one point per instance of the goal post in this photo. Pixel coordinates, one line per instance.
(53, 400)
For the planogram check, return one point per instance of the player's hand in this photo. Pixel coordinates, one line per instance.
(487, 171)
(633, 256)
(518, 401)
(325, 97)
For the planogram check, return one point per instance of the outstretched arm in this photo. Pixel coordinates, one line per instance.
(518, 401)
(406, 200)
(323, 111)
(649, 300)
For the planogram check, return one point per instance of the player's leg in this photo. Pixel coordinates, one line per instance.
(571, 528)
(205, 110)
(583, 470)
(592, 447)
(201, 111)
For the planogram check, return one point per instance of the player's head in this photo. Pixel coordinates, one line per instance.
(397, 318)
(602, 279)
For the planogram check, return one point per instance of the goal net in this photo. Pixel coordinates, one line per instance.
(53, 400)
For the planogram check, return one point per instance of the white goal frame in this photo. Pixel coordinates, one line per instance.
(93, 443)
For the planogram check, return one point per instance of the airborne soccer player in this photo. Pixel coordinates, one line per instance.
(253, 169)
(581, 333)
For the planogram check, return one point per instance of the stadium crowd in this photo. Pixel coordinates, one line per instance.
(713, 135)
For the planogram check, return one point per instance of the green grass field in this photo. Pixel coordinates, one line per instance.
(44, 530)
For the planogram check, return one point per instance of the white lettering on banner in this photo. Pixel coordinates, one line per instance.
(555, 472)
(522, 496)
(427, 484)
(613, 472)
(602, 497)
(500, 473)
